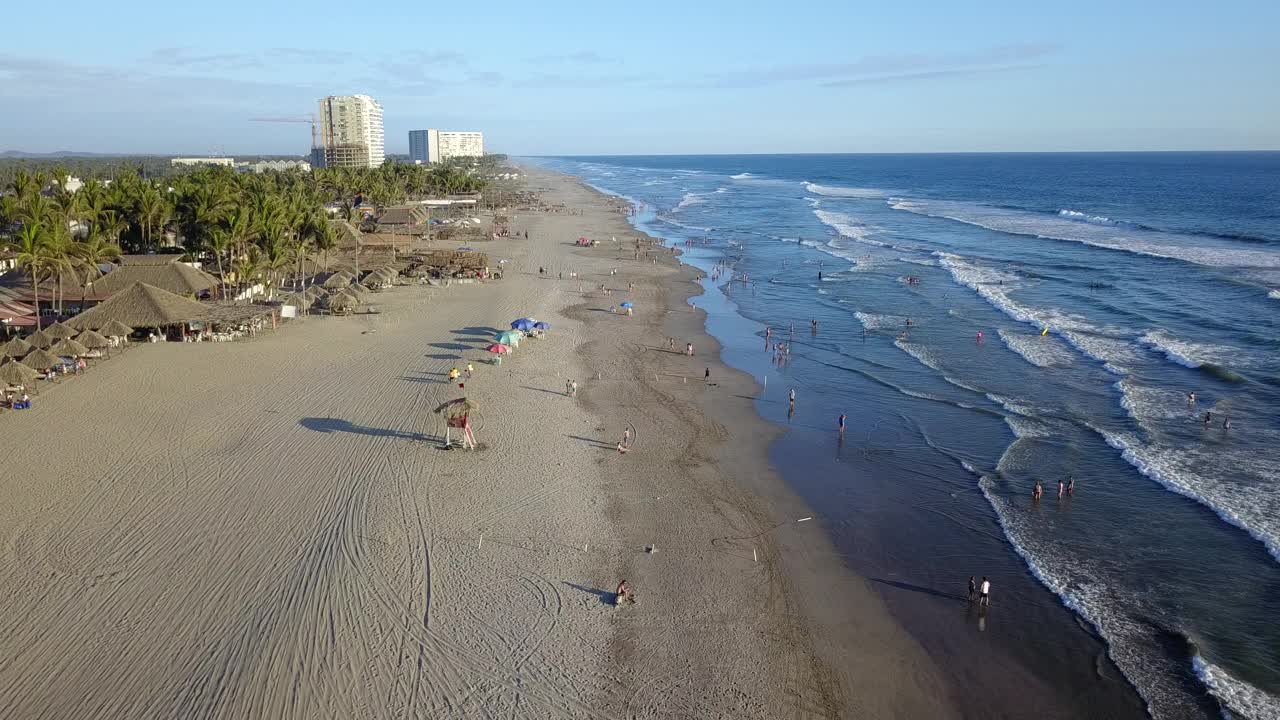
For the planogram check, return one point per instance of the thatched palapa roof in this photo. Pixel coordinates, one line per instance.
(141, 305)
(59, 331)
(15, 348)
(172, 276)
(40, 360)
(69, 348)
(115, 328)
(15, 373)
(92, 340)
(40, 339)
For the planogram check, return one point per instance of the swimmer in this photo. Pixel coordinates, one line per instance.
(979, 336)
(1062, 488)
(819, 274)
(840, 421)
(1208, 418)
(1071, 485)
(1037, 491)
(1226, 424)
(1191, 398)
(908, 322)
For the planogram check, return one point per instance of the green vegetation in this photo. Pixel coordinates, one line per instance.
(259, 226)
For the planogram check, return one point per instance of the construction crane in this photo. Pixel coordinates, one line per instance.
(315, 139)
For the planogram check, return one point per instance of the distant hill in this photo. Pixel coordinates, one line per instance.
(20, 155)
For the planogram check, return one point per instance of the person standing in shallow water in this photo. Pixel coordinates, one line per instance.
(973, 589)
(841, 423)
(984, 592)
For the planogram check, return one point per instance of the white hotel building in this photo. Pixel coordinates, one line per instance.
(351, 131)
(436, 145)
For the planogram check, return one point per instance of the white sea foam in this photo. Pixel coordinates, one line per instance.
(1193, 355)
(920, 353)
(742, 176)
(1115, 354)
(1249, 506)
(1145, 404)
(1274, 294)
(848, 227)
(690, 199)
(1085, 217)
(872, 321)
(1038, 350)
(1239, 697)
(844, 192)
(1054, 227)
(918, 261)
(995, 285)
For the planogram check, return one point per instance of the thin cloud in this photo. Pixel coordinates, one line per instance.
(929, 75)
(582, 57)
(185, 57)
(885, 67)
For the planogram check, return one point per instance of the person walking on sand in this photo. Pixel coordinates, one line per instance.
(688, 349)
(470, 370)
(706, 376)
(984, 592)
(973, 589)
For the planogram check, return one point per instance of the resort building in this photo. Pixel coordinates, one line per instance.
(418, 140)
(191, 161)
(277, 165)
(351, 131)
(443, 144)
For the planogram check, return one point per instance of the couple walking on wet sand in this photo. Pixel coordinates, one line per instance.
(980, 592)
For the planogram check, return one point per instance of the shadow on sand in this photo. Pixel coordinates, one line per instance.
(606, 597)
(334, 425)
(920, 589)
(476, 330)
(544, 390)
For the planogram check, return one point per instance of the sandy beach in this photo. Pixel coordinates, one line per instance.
(271, 528)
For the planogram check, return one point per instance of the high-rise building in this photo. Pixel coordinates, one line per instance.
(351, 131)
(418, 143)
(443, 144)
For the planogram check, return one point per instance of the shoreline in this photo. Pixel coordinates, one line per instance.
(867, 663)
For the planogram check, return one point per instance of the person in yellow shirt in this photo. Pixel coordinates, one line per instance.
(469, 370)
(453, 374)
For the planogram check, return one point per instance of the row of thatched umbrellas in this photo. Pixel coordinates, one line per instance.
(25, 359)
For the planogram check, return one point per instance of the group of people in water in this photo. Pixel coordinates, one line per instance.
(1208, 415)
(1065, 489)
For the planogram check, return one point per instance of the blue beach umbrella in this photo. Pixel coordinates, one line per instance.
(541, 326)
(523, 324)
(627, 304)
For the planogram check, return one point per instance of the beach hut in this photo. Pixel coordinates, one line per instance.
(337, 281)
(15, 373)
(39, 339)
(69, 348)
(117, 331)
(58, 331)
(141, 305)
(15, 348)
(39, 359)
(93, 340)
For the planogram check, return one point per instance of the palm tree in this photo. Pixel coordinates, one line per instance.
(91, 253)
(247, 267)
(32, 253)
(152, 212)
(221, 242)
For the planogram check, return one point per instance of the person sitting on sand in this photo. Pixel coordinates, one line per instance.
(454, 373)
(624, 595)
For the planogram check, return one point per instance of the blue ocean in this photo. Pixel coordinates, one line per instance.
(990, 321)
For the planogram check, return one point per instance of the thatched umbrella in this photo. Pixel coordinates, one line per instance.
(93, 340)
(337, 281)
(39, 339)
(40, 360)
(312, 293)
(59, 331)
(15, 348)
(69, 348)
(15, 373)
(115, 328)
(341, 301)
(360, 290)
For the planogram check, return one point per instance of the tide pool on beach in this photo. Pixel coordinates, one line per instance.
(1106, 287)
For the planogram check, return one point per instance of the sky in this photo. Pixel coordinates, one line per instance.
(558, 78)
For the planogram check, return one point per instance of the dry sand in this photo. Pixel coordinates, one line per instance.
(269, 529)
